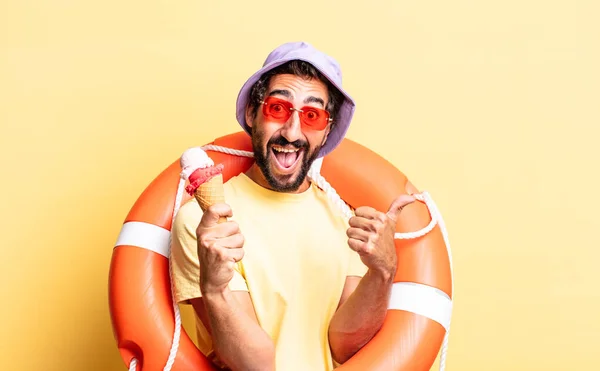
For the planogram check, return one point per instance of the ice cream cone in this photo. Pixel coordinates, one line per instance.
(206, 179)
(210, 193)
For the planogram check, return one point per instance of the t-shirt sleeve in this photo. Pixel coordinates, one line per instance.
(185, 266)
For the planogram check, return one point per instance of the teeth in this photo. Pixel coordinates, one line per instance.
(286, 150)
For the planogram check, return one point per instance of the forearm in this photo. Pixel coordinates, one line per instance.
(237, 339)
(360, 317)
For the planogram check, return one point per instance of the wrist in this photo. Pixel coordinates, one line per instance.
(208, 286)
(215, 293)
(384, 276)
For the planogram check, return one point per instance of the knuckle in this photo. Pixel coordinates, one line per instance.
(360, 246)
(221, 254)
(204, 241)
(374, 240)
(354, 244)
(211, 246)
(362, 210)
(207, 215)
(216, 209)
(230, 265)
(379, 227)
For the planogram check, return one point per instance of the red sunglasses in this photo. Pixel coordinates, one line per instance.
(280, 111)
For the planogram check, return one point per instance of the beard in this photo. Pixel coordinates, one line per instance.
(285, 183)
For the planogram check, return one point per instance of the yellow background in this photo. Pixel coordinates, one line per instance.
(491, 106)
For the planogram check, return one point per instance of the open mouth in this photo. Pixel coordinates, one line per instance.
(286, 158)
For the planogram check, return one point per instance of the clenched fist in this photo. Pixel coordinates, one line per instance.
(219, 248)
(371, 235)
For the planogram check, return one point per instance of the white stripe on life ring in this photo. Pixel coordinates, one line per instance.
(145, 235)
(421, 299)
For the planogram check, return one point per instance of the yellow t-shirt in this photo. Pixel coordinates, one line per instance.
(295, 264)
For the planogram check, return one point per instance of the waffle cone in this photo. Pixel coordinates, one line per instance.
(211, 193)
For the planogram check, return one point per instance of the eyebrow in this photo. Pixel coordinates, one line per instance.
(307, 100)
(312, 99)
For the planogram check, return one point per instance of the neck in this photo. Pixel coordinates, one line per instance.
(258, 177)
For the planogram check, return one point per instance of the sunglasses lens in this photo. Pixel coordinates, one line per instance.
(277, 109)
(315, 118)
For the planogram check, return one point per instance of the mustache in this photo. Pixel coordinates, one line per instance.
(281, 141)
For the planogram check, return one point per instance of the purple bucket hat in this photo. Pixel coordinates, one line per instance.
(328, 66)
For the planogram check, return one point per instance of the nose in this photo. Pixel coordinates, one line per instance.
(292, 130)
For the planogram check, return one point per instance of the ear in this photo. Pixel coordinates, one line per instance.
(249, 119)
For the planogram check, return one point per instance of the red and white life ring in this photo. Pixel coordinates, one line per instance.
(418, 319)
